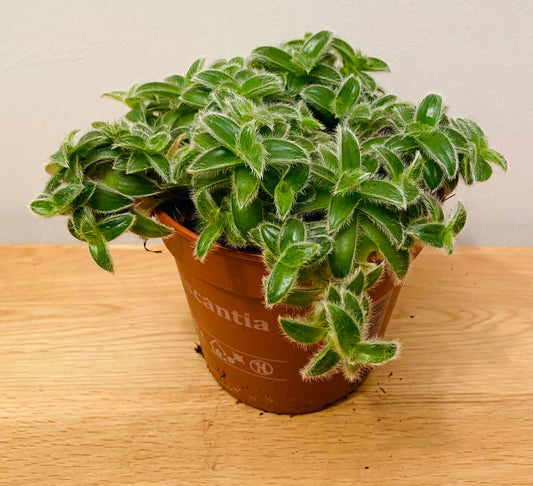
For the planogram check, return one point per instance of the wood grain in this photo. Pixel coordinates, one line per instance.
(100, 384)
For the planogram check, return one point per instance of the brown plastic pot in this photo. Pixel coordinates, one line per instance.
(241, 340)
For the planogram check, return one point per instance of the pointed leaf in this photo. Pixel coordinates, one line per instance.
(246, 185)
(283, 198)
(375, 353)
(320, 97)
(113, 226)
(223, 129)
(270, 235)
(397, 259)
(458, 220)
(146, 227)
(280, 282)
(297, 254)
(372, 277)
(280, 150)
(438, 147)
(341, 209)
(301, 332)
(301, 297)
(341, 258)
(274, 57)
(207, 239)
(105, 200)
(346, 329)
(316, 45)
(430, 233)
(100, 253)
(386, 219)
(347, 96)
(293, 231)
(382, 191)
(349, 153)
(214, 159)
(429, 110)
(248, 217)
(261, 85)
(322, 362)
(129, 184)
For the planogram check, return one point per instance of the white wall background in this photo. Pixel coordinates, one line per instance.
(57, 57)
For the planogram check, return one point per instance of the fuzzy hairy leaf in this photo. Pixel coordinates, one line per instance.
(113, 226)
(346, 330)
(302, 332)
(246, 185)
(146, 227)
(347, 96)
(341, 258)
(374, 353)
(382, 191)
(430, 233)
(322, 362)
(293, 231)
(207, 239)
(438, 147)
(215, 159)
(223, 129)
(398, 259)
(280, 281)
(429, 110)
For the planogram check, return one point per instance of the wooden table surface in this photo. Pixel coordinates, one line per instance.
(100, 384)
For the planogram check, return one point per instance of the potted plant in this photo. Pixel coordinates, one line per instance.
(289, 187)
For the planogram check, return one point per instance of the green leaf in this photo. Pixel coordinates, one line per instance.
(382, 191)
(280, 281)
(458, 220)
(196, 96)
(148, 228)
(283, 198)
(280, 150)
(325, 74)
(159, 142)
(297, 254)
(375, 64)
(372, 277)
(346, 329)
(320, 97)
(161, 165)
(113, 226)
(270, 235)
(214, 78)
(206, 206)
(433, 174)
(493, 156)
(157, 89)
(347, 96)
(357, 283)
(100, 253)
(207, 239)
(261, 85)
(322, 362)
(129, 184)
(482, 169)
(105, 200)
(392, 162)
(374, 353)
(316, 45)
(340, 210)
(248, 217)
(349, 153)
(386, 219)
(223, 129)
(429, 110)
(430, 233)
(63, 197)
(137, 162)
(341, 258)
(214, 159)
(195, 67)
(438, 147)
(246, 185)
(276, 58)
(352, 306)
(301, 297)
(43, 207)
(301, 332)
(293, 231)
(397, 259)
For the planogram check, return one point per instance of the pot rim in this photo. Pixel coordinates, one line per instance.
(216, 248)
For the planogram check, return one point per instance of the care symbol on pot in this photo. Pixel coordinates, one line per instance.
(261, 367)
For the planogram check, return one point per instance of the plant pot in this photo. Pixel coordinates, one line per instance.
(241, 340)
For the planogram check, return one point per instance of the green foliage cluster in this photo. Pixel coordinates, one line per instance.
(295, 151)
